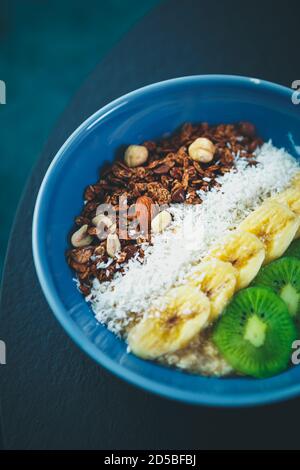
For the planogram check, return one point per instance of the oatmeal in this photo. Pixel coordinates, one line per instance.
(201, 356)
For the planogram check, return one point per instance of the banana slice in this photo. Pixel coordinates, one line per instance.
(184, 312)
(218, 281)
(244, 251)
(296, 180)
(291, 198)
(275, 225)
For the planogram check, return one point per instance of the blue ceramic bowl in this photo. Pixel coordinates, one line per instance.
(143, 115)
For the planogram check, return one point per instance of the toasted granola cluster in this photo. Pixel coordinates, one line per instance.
(172, 172)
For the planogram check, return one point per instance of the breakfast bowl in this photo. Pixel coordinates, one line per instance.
(144, 115)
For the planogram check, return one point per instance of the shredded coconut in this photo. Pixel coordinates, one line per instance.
(194, 230)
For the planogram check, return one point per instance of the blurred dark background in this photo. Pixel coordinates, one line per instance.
(48, 47)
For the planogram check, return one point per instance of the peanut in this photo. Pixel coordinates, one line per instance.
(81, 238)
(161, 222)
(113, 245)
(101, 221)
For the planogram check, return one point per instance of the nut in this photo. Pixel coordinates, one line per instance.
(104, 223)
(135, 155)
(161, 222)
(202, 150)
(113, 245)
(145, 211)
(145, 206)
(81, 237)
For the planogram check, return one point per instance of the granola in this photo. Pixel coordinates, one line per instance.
(169, 175)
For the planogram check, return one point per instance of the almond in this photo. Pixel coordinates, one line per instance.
(145, 208)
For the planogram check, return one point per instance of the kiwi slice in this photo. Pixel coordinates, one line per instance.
(283, 277)
(293, 249)
(256, 332)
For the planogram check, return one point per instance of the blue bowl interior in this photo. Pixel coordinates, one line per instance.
(144, 115)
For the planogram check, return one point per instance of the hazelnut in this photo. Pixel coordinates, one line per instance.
(161, 222)
(81, 237)
(202, 150)
(113, 245)
(135, 155)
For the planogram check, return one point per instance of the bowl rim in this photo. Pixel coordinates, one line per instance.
(56, 305)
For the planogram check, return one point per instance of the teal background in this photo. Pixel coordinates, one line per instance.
(47, 50)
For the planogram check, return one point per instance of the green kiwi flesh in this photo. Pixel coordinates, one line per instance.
(256, 332)
(283, 277)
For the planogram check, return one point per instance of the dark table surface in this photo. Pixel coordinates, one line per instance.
(52, 394)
